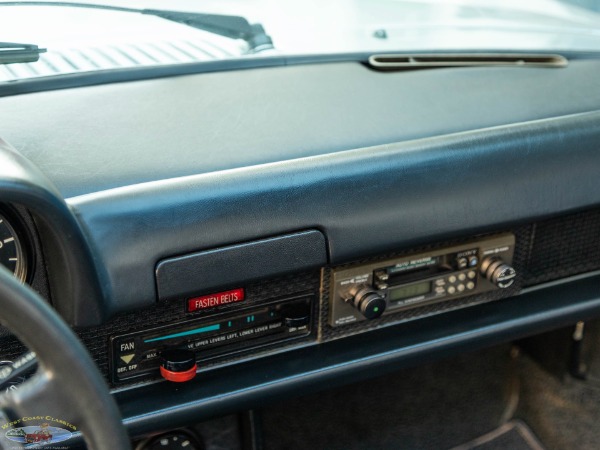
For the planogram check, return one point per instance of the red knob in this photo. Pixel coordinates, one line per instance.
(178, 365)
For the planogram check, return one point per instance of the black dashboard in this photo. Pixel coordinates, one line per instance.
(247, 192)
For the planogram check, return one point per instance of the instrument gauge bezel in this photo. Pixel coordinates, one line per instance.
(13, 223)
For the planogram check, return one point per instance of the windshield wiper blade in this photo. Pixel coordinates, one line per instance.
(234, 27)
(13, 53)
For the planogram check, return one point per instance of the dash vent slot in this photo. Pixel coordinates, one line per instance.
(409, 61)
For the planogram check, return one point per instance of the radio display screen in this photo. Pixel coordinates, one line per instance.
(411, 290)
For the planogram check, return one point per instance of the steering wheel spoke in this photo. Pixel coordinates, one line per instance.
(67, 387)
(39, 397)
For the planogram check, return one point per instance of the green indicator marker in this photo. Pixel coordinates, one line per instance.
(376, 309)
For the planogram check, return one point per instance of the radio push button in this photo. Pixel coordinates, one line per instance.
(473, 261)
(381, 275)
(368, 301)
(462, 263)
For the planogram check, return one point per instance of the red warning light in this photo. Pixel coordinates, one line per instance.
(212, 300)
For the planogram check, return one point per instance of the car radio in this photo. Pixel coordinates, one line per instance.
(371, 290)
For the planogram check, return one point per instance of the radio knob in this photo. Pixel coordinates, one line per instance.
(368, 301)
(498, 272)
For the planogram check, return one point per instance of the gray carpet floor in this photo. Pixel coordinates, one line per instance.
(564, 413)
(443, 405)
(437, 406)
(451, 403)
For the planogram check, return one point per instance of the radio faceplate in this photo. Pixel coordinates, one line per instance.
(385, 287)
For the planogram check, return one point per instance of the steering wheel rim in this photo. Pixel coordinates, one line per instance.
(67, 384)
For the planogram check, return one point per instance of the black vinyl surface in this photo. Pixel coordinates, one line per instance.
(375, 161)
(365, 202)
(96, 138)
(240, 264)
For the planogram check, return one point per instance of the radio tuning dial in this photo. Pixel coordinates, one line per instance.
(368, 301)
(498, 272)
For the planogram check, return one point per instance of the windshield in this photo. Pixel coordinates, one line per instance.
(83, 40)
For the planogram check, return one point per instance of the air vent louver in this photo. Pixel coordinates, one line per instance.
(408, 61)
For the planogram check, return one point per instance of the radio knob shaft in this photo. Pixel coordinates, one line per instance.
(368, 301)
(498, 272)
